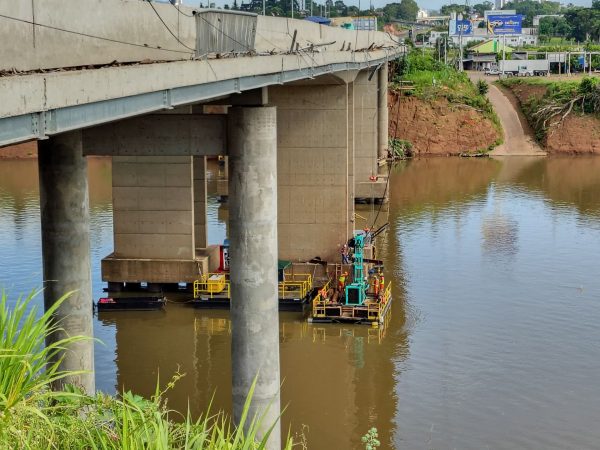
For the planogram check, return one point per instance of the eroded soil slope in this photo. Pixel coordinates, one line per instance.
(577, 133)
(437, 127)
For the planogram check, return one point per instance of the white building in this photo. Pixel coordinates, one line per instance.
(422, 14)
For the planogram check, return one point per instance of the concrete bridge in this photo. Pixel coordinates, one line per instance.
(299, 109)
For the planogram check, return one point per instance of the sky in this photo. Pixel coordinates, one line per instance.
(424, 4)
(437, 4)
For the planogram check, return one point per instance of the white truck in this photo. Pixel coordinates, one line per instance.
(524, 67)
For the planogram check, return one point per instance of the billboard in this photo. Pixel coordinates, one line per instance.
(504, 24)
(461, 27)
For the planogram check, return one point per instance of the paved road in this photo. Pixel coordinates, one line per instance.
(518, 136)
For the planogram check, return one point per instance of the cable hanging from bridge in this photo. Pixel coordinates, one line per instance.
(389, 172)
(92, 36)
(180, 11)
(167, 27)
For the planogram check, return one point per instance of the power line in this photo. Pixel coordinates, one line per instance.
(116, 41)
(167, 27)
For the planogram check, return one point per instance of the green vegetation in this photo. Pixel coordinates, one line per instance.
(32, 416)
(558, 100)
(400, 148)
(482, 87)
(371, 440)
(405, 10)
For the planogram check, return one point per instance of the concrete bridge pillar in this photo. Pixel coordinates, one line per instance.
(200, 199)
(252, 145)
(382, 111)
(65, 222)
(315, 163)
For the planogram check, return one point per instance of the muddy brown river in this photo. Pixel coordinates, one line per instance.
(494, 340)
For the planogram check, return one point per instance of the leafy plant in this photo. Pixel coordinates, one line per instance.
(32, 416)
(27, 366)
(400, 148)
(371, 440)
(482, 87)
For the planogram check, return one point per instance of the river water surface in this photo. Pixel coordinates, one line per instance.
(494, 340)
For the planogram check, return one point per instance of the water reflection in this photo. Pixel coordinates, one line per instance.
(337, 380)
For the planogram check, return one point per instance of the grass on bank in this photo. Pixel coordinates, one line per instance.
(558, 100)
(432, 80)
(32, 416)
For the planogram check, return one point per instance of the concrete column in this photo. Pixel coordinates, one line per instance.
(382, 111)
(65, 221)
(312, 153)
(200, 229)
(252, 145)
(350, 169)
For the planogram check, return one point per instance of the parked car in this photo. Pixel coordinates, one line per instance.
(491, 71)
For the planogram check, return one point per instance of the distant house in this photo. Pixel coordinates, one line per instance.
(483, 55)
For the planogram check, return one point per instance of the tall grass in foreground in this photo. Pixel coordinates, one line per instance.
(32, 416)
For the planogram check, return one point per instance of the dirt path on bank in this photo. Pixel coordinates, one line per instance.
(518, 136)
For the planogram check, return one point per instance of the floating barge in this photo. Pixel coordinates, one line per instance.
(131, 303)
(213, 290)
(373, 311)
(365, 299)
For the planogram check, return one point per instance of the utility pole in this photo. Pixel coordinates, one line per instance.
(264, 7)
(459, 19)
(503, 54)
(292, 9)
(446, 50)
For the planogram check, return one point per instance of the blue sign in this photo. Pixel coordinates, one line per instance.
(463, 27)
(499, 24)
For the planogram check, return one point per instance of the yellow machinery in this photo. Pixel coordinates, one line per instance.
(294, 286)
(211, 284)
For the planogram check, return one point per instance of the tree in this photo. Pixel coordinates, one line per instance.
(446, 10)
(481, 8)
(554, 26)
(408, 10)
(584, 23)
(530, 8)
(340, 8)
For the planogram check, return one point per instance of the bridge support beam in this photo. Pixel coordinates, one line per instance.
(252, 145)
(65, 223)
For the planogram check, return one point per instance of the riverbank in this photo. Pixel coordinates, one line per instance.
(564, 114)
(438, 127)
(439, 110)
(26, 150)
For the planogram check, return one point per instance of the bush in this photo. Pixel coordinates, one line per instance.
(482, 87)
(400, 148)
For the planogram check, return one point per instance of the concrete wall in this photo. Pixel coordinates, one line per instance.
(276, 33)
(153, 207)
(365, 130)
(27, 47)
(312, 164)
